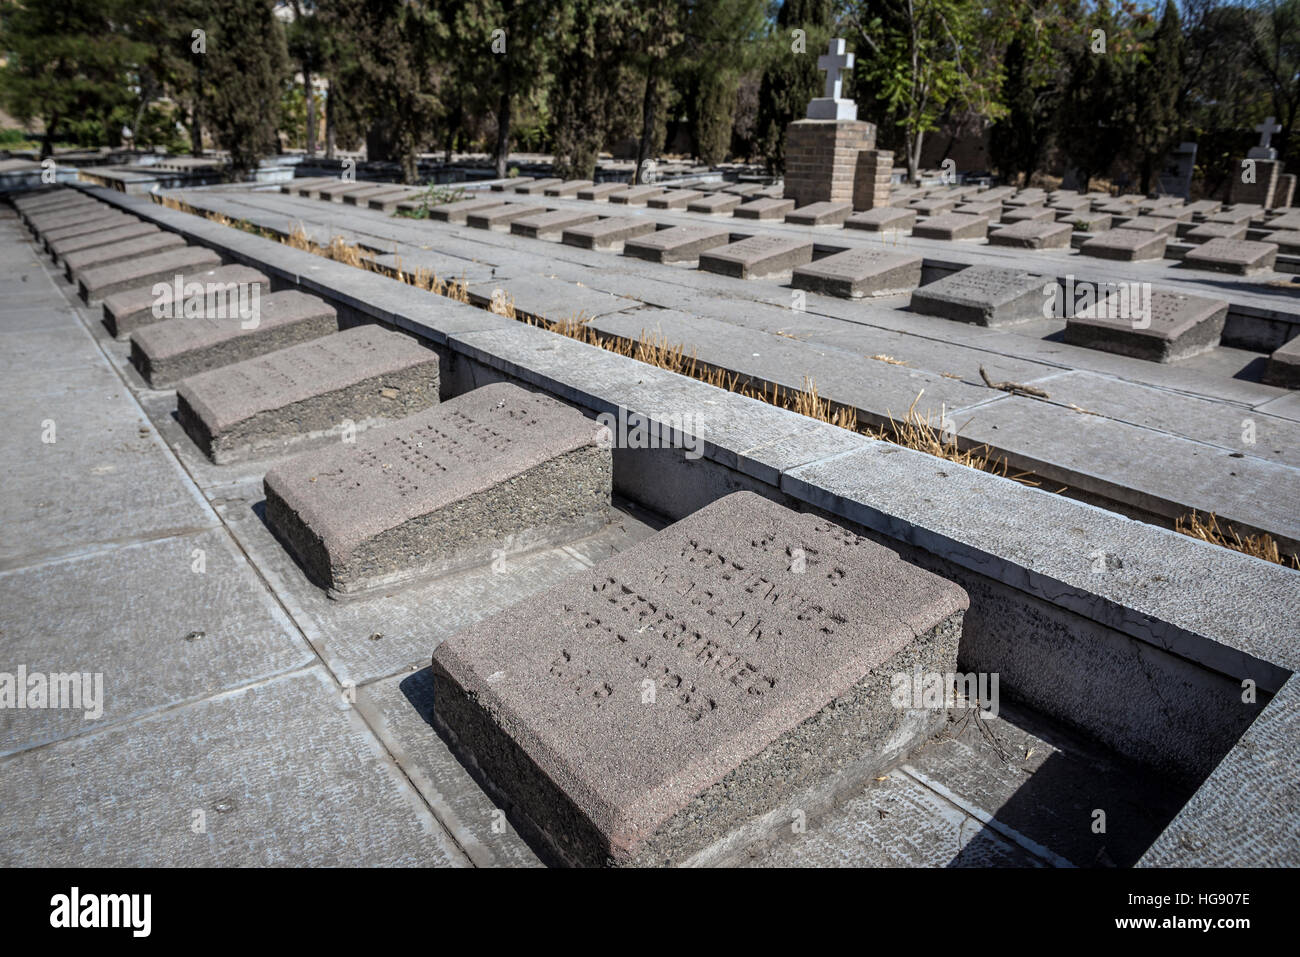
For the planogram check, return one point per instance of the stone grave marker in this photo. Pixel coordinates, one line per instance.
(295, 186)
(1029, 214)
(820, 214)
(607, 234)
(858, 273)
(1283, 369)
(1287, 241)
(1126, 245)
(757, 256)
(636, 195)
(494, 468)
(173, 349)
(1208, 231)
(1087, 222)
(952, 226)
(736, 662)
(984, 296)
(1171, 326)
(1028, 234)
(125, 312)
(990, 210)
(97, 224)
(323, 388)
(933, 207)
(715, 204)
(569, 187)
(456, 212)
(58, 248)
(362, 197)
(99, 283)
(673, 199)
(677, 243)
(545, 225)
(512, 184)
(335, 191)
(539, 186)
(1152, 224)
(882, 219)
(499, 217)
(391, 200)
(766, 208)
(106, 255)
(600, 192)
(1237, 256)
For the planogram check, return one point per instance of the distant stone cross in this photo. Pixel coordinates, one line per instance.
(1265, 129)
(832, 63)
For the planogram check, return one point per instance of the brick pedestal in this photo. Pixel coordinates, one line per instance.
(821, 159)
(1265, 188)
(872, 183)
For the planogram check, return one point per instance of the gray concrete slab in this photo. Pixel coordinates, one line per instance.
(282, 772)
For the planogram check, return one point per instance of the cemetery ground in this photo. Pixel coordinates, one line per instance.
(449, 666)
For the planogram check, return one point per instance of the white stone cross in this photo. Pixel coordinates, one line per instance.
(832, 63)
(1265, 129)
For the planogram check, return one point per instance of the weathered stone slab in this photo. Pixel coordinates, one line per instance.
(1026, 197)
(952, 226)
(63, 201)
(820, 214)
(1204, 207)
(1238, 256)
(1287, 241)
(1208, 231)
(1070, 203)
(930, 206)
(95, 224)
(75, 216)
(1087, 222)
(601, 191)
(715, 203)
(166, 352)
(1029, 214)
(765, 208)
(106, 255)
(362, 197)
(1160, 202)
(636, 195)
(456, 212)
(642, 711)
(673, 199)
(1151, 224)
(335, 191)
(882, 219)
(392, 199)
(607, 234)
(131, 229)
(1181, 214)
(984, 296)
(125, 312)
(995, 195)
(677, 243)
(498, 217)
(328, 386)
(1033, 234)
(540, 186)
(104, 281)
(1288, 221)
(512, 184)
(1174, 326)
(552, 223)
(1126, 245)
(856, 273)
(1283, 367)
(742, 189)
(757, 256)
(1241, 216)
(443, 488)
(991, 210)
(569, 187)
(296, 186)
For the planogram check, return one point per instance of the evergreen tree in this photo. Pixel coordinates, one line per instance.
(791, 78)
(245, 65)
(1153, 99)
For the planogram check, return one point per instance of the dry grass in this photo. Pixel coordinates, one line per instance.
(1260, 546)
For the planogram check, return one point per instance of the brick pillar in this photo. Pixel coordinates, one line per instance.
(872, 184)
(1262, 190)
(821, 159)
(1285, 193)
